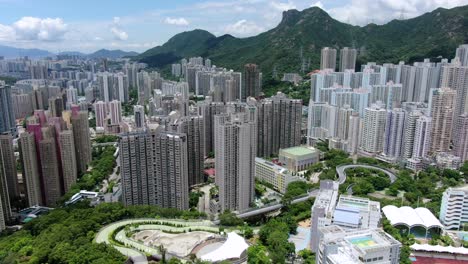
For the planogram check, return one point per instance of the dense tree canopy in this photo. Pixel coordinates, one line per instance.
(65, 235)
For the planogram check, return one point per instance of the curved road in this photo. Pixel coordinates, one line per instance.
(340, 170)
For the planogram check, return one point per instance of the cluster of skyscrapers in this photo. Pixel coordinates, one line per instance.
(54, 147)
(410, 114)
(233, 123)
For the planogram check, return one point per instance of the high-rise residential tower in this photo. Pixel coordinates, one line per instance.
(154, 169)
(252, 85)
(115, 111)
(80, 128)
(50, 167)
(394, 133)
(441, 105)
(139, 113)
(279, 124)
(462, 54)
(328, 58)
(7, 116)
(100, 110)
(7, 154)
(347, 59)
(68, 158)
(31, 174)
(460, 142)
(235, 149)
(373, 129)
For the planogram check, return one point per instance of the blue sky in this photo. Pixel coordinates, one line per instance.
(141, 24)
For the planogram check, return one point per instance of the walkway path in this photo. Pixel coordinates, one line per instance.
(105, 232)
(340, 170)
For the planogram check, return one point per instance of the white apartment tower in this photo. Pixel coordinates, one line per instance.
(235, 138)
(115, 110)
(394, 133)
(373, 129)
(100, 110)
(347, 59)
(328, 59)
(139, 114)
(441, 104)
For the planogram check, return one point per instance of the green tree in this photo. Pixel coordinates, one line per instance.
(228, 218)
(257, 254)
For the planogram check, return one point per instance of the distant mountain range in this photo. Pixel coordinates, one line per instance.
(11, 52)
(431, 35)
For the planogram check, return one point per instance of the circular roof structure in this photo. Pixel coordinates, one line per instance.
(411, 217)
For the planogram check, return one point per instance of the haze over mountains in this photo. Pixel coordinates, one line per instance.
(12, 52)
(430, 35)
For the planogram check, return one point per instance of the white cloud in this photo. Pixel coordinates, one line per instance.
(318, 4)
(362, 12)
(117, 31)
(176, 21)
(279, 6)
(34, 28)
(243, 28)
(7, 33)
(119, 34)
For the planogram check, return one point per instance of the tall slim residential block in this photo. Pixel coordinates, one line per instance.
(328, 59)
(4, 195)
(68, 158)
(342, 130)
(460, 142)
(7, 154)
(456, 77)
(194, 127)
(394, 133)
(72, 96)
(139, 114)
(7, 116)
(462, 54)
(171, 168)
(373, 129)
(115, 111)
(100, 111)
(410, 127)
(80, 128)
(252, 86)
(56, 106)
(422, 137)
(279, 124)
(354, 133)
(235, 149)
(50, 170)
(31, 176)
(441, 104)
(138, 186)
(154, 169)
(347, 59)
(390, 94)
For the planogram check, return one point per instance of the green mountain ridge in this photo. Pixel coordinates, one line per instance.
(431, 35)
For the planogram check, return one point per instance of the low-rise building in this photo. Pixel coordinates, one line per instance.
(279, 177)
(447, 161)
(356, 212)
(454, 208)
(298, 158)
(338, 246)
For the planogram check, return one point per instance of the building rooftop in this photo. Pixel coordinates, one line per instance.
(300, 151)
